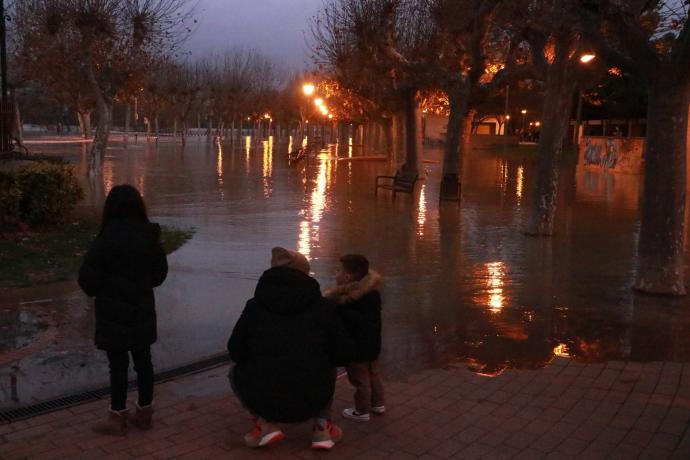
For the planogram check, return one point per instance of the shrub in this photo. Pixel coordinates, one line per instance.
(10, 196)
(38, 194)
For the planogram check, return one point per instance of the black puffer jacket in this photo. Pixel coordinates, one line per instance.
(123, 265)
(359, 305)
(286, 346)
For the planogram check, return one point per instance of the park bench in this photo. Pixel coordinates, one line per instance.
(297, 155)
(400, 183)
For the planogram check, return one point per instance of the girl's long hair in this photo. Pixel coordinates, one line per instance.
(123, 202)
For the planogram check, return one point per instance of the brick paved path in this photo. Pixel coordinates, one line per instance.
(568, 410)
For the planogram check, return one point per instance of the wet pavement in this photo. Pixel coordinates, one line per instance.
(567, 410)
(462, 283)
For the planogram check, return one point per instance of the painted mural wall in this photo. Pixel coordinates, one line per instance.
(613, 154)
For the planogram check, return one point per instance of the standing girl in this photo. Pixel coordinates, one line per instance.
(121, 268)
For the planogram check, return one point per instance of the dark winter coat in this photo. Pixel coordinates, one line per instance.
(359, 306)
(286, 346)
(121, 268)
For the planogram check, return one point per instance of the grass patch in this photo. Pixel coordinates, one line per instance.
(39, 257)
(174, 238)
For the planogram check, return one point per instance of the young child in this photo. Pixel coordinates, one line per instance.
(121, 268)
(286, 346)
(359, 305)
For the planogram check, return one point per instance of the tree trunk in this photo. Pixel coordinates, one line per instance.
(157, 127)
(660, 246)
(127, 114)
(18, 131)
(455, 132)
(100, 142)
(84, 118)
(412, 133)
(558, 103)
(389, 136)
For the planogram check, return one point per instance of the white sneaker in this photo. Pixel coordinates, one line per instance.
(352, 414)
(378, 409)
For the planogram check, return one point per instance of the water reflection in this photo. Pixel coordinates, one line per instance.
(268, 167)
(520, 183)
(219, 171)
(421, 213)
(461, 282)
(317, 203)
(247, 150)
(492, 295)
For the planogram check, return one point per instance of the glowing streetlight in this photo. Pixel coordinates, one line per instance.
(267, 116)
(523, 112)
(318, 102)
(588, 57)
(308, 89)
(330, 116)
(537, 124)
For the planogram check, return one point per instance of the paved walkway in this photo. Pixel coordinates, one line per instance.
(568, 410)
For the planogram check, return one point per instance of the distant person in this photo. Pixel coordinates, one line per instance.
(121, 268)
(286, 346)
(359, 304)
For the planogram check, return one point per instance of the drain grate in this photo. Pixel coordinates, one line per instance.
(22, 413)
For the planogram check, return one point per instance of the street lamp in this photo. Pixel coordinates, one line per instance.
(308, 89)
(318, 101)
(523, 112)
(587, 58)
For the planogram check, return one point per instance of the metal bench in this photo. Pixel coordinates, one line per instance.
(400, 183)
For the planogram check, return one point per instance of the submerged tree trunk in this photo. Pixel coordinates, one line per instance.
(100, 141)
(18, 131)
(389, 136)
(660, 246)
(184, 132)
(84, 118)
(127, 115)
(412, 134)
(456, 135)
(557, 107)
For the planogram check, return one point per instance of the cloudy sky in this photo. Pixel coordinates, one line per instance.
(276, 27)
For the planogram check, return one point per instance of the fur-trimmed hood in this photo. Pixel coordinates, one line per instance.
(351, 292)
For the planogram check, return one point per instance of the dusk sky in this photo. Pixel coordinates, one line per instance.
(276, 27)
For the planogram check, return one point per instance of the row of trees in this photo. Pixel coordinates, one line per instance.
(389, 55)
(90, 54)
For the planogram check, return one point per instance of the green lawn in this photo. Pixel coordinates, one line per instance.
(32, 258)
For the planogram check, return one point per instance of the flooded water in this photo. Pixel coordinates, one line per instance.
(461, 282)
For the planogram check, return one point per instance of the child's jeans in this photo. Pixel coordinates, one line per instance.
(366, 379)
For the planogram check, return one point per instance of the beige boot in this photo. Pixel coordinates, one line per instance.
(142, 417)
(115, 425)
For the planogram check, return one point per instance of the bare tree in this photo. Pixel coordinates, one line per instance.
(376, 49)
(109, 45)
(651, 38)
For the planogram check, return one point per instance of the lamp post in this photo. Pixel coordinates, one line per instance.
(584, 59)
(524, 113)
(6, 126)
